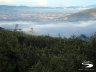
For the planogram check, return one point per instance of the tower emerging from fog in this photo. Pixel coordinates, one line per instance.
(17, 27)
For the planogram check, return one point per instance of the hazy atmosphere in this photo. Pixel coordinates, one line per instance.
(47, 35)
(53, 3)
(49, 17)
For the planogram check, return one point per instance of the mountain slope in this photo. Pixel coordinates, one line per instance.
(35, 14)
(86, 15)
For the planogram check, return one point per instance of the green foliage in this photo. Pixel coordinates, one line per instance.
(25, 53)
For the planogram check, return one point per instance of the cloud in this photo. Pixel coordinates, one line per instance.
(39, 2)
(7, 1)
(25, 2)
(85, 24)
(65, 29)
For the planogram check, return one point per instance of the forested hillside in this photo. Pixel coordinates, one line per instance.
(25, 53)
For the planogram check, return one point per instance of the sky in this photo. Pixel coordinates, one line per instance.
(48, 3)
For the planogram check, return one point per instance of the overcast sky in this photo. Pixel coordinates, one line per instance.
(52, 3)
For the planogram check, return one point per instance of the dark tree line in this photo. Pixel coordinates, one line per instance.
(25, 53)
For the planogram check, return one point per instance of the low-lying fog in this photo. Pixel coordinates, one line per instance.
(53, 29)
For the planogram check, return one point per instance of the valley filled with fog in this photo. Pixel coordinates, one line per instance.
(50, 21)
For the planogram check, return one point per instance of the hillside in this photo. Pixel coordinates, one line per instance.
(46, 14)
(35, 14)
(25, 53)
(85, 15)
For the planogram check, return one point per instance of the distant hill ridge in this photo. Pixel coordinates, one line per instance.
(1, 28)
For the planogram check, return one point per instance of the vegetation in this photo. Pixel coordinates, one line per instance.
(25, 53)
